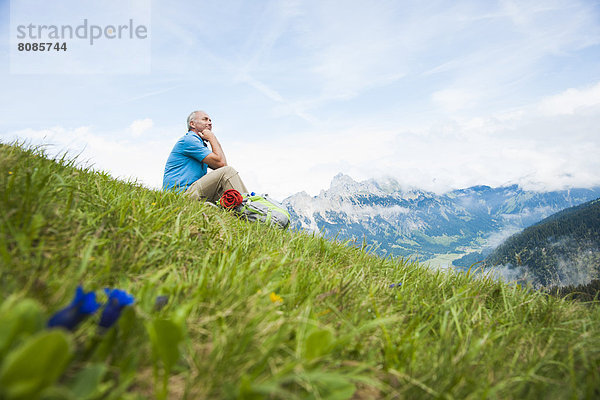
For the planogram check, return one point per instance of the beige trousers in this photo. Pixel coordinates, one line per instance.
(212, 185)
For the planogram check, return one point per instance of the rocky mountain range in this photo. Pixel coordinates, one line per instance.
(438, 228)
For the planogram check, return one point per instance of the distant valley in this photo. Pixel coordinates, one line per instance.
(456, 228)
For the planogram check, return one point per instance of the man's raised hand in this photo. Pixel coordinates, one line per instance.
(207, 134)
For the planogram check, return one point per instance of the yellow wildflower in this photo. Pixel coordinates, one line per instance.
(10, 172)
(275, 298)
(324, 312)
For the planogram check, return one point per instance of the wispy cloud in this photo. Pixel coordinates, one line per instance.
(139, 126)
(571, 101)
(455, 154)
(560, 150)
(120, 153)
(152, 93)
(438, 95)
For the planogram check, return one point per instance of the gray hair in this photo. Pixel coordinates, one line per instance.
(192, 117)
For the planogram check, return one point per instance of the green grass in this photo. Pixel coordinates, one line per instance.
(338, 332)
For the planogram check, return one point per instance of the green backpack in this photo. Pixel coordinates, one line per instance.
(264, 209)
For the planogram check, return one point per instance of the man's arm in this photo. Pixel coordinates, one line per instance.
(216, 159)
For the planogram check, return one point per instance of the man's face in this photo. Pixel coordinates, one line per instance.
(201, 122)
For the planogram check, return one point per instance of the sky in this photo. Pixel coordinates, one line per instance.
(438, 95)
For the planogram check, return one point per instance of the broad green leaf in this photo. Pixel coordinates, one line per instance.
(245, 390)
(181, 314)
(333, 386)
(57, 393)
(103, 344)
(86, 383)
(35, 365)
(165, 336)
(317, 344)
(30, 315)
(126, 322)
(9, 326)
(341, 390)
(22, 318)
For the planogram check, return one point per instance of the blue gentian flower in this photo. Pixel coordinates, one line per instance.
(82, 306)
(161, 302)
(393, 285)
(117, 300)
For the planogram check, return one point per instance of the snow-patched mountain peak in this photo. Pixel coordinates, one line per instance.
(344, 184)
(408, 221)
(344, 189)
(342, 179)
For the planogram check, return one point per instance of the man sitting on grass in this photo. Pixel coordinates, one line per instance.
(186, 168)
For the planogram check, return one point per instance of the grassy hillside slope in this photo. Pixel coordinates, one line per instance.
(255, 312)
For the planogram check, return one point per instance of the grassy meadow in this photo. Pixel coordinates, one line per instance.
(246, 311)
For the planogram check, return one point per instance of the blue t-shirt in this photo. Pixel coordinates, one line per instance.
(184, 165)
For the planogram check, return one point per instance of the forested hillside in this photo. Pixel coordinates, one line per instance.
(563, 249)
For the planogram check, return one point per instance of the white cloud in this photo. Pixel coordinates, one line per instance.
(497, 238)
(519, 44)
(483, 52)
(116, 153)
(452, 100)
(571, 100)
(528, 146)
(393, 88)
(138, 127)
